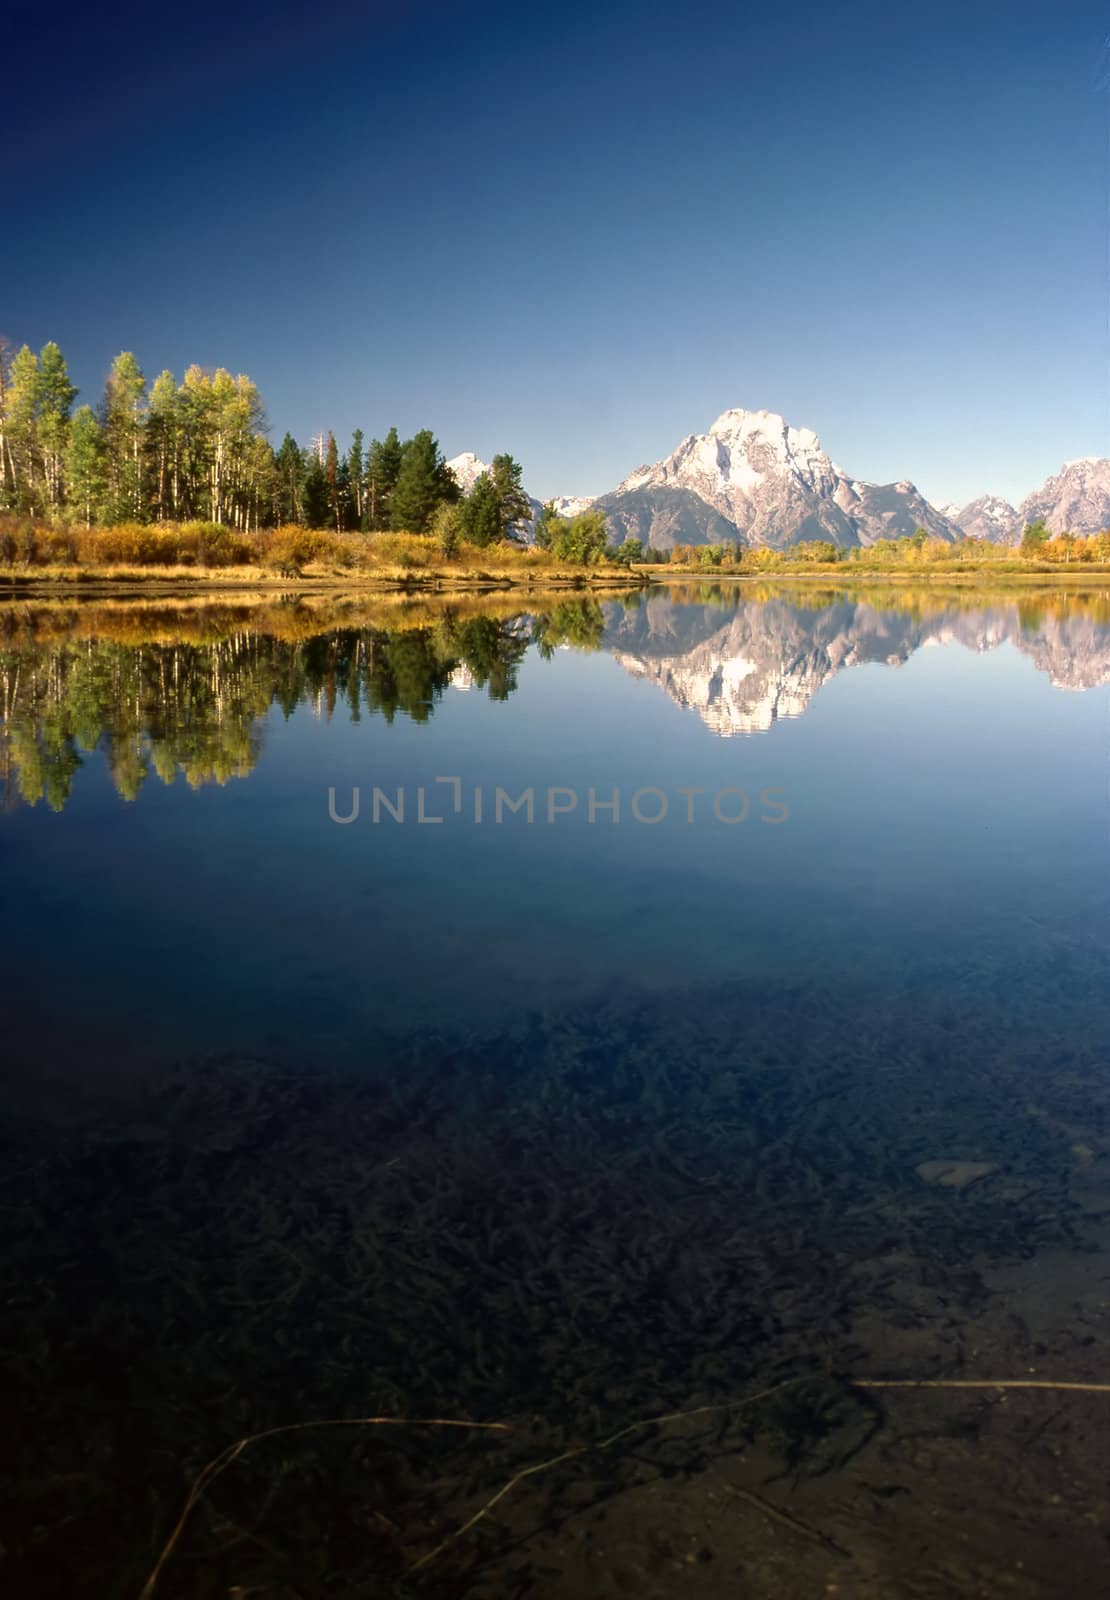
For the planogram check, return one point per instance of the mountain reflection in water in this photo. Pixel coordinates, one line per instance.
(743, 665)
(183, 691)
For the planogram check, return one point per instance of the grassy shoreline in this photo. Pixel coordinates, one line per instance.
(72, 582)
(419, 571)
(198, 556)
(987, 575)
(450, 579)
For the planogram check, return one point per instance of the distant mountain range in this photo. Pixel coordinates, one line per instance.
(754, 478)
(1075, 500)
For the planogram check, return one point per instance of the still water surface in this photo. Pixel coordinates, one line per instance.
(627, 1104)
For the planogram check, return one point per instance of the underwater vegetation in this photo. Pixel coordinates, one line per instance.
(655, 1202)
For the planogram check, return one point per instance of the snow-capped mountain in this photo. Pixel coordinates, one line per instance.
(755, 477)
(1076, 500)
(989, 517)
(468, 468)
(571, 505)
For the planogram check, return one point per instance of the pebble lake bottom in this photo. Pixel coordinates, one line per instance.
(560, 1128)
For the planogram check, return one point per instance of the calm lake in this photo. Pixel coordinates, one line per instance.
(556, 1012)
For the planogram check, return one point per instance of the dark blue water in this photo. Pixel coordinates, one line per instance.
(462, 1108)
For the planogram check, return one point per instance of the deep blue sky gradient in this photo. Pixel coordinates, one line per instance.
(580, 233)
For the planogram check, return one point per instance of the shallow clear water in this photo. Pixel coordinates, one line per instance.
(412, 1065)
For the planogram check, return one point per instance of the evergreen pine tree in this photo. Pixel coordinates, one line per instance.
(515, 506)
(315, 494)
(383, 468)
(482, 513)
(290, 465)
(356, 478)
(336, 489)
(422, 483)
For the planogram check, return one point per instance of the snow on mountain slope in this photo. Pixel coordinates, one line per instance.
(467, 468)
(1075, 500)
(572, 505)
(770, 483)
(754, 478)
(988, 517)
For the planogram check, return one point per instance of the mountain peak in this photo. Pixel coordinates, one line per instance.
(467, 468)
(1075, 500)
(737, 425)
(755, 476)
(738, 419)
(988, 517)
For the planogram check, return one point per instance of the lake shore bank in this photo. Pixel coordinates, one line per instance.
(170, 583)
(221, 581)
(522, 572)
(846, 576)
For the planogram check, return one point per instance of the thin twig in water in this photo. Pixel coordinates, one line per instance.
(220, 1464)
(795, 1524)
(736, 1405)
(601, 1444)
(977, 1383)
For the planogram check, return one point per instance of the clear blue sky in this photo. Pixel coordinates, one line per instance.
(579, 234)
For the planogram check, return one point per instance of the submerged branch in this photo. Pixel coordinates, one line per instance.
(221, 1462)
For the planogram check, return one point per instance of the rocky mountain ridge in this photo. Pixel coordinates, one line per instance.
(755, 479)
(1074, 500)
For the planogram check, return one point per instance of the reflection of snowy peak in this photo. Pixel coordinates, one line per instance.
(736, 695)
(742, 669)
(1073, 653)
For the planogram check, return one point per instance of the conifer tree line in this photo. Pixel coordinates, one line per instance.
(197, 451)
